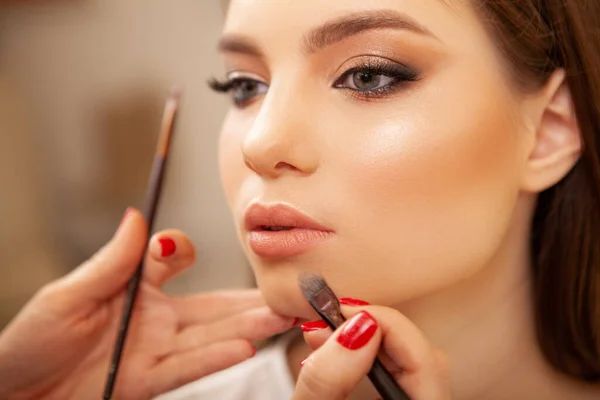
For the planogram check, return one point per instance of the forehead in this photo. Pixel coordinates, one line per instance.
(271, 21)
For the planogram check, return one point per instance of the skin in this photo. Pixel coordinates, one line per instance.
(429, 189)
(59, 346)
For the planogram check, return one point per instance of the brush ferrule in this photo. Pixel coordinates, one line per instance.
(328, 307)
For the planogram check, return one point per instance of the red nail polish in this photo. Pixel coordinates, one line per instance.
(314, 326)
(358, 331)
(168, 246)
(348, 301)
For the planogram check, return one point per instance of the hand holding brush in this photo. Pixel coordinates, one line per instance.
(343, 358)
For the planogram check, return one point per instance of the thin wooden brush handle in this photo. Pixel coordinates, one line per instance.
(150, 206)
(152, 198)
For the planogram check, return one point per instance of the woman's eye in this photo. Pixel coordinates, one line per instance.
(366, 81)
(376, 78)
(243, 90)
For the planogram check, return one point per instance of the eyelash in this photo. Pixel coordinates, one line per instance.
(400, 74)
(228, 85)
(221, 86)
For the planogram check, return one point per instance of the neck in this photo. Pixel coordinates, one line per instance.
(486, 327)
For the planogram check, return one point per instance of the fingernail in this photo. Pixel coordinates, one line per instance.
(168, 246)
(358, 331)
(348, 301)
(303, 362)
(313, 326)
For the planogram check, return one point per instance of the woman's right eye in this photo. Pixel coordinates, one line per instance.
(241, 89)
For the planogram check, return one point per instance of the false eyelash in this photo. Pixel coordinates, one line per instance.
(220, 86)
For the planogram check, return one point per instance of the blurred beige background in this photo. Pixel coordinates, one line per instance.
(82, 86)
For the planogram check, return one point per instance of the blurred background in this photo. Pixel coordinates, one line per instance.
(82, 88)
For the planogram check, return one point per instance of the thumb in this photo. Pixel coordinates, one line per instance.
(106, 273)
(338, 366)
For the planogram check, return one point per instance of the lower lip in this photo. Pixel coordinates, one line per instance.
(281, 244)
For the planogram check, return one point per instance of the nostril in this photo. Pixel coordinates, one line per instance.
(284, 165)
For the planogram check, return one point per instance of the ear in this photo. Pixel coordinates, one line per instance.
(557, 145)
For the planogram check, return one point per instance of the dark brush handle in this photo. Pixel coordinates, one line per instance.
(380, 377)
(385, 383)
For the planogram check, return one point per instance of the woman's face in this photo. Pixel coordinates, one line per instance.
(390, 123)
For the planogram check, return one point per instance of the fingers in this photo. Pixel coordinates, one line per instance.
(254, 324)
(316, 333)
(184, 368)
(213, 306)
(403, 342)
(424, 373)
(338, 366)
(169, 253)
(424, 368)
(107, 272)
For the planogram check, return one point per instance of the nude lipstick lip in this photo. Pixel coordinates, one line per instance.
(280, 231)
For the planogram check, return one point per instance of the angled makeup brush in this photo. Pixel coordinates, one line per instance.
(326, 304)
(150, 206)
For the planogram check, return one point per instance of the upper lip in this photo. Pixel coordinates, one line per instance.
(260, 216)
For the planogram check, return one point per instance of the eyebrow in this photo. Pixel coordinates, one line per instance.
(353, 24)
(333, 32)
(234, 43)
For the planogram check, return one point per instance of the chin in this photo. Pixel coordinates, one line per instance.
(282, 295)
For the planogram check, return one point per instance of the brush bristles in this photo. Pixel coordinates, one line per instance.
(311, 285)
(321, 298)
(170, 111)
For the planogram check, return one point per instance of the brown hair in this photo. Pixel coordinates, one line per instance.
(537, 37)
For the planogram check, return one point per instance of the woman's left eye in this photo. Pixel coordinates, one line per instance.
(365, 81)
(376, 77)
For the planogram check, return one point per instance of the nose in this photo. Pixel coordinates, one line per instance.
(280, 140)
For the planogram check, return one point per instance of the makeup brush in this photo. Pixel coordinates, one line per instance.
(149, 210)
(326, 304)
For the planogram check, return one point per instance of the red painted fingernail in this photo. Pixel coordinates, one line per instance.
(358, 331)
(168, 246)
(314, 326)
(348, 301)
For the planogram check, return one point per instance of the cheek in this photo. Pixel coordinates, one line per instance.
(231, 163)
(433, 194)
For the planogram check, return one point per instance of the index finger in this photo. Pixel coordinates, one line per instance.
(337, 367)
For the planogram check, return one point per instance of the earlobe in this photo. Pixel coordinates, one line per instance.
(557, 144)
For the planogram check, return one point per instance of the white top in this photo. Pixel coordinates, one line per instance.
(266, 376)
